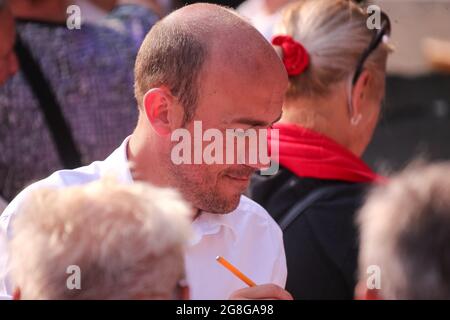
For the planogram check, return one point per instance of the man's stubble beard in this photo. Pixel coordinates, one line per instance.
(200, 192)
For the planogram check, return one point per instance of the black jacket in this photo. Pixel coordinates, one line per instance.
(321, 244)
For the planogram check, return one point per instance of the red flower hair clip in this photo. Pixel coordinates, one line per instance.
(295, 56)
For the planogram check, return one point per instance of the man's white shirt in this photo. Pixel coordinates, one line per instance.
(248, 237)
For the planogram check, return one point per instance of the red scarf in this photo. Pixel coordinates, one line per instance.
(307, 153)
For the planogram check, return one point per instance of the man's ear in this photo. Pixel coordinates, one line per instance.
(16, 294)
(157, 105)
(360, 93)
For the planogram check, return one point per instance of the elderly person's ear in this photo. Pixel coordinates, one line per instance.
(360, 93)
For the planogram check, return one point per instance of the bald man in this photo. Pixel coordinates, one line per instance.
(202, 64)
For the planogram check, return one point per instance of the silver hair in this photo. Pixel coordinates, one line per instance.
(126, 240)
(405, 233)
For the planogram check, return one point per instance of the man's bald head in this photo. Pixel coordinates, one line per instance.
(189, 41)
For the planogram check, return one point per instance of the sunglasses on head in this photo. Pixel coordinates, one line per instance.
(379, 34)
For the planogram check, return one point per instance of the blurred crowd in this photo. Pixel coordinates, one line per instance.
(88, 184)
(73, 90)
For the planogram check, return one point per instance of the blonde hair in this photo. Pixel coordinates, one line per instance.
(405, 232)
(127, 241)
(335, 34)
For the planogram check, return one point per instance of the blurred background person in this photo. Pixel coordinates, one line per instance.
(417, 105)
(126, 239)
(72, 101)
(336, 85)
(8, 60)
(405, 236)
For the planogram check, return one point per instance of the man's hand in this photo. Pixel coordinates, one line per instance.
(262, 292)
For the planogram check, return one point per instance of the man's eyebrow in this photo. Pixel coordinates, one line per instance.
(255, 122)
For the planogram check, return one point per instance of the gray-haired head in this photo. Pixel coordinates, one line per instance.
(405, 232)
(127, 242)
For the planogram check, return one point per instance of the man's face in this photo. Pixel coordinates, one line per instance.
(228, 99)
(8, 60)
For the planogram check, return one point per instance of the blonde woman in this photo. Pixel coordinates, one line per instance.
(336, 68)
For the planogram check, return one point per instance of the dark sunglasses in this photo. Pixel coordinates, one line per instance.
(384, 30)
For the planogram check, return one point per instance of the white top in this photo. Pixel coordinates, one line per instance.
(247, 237)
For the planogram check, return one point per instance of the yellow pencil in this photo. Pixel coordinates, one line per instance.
(235, 271)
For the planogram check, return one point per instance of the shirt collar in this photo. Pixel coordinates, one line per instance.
(117, 164)
(211, 223)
